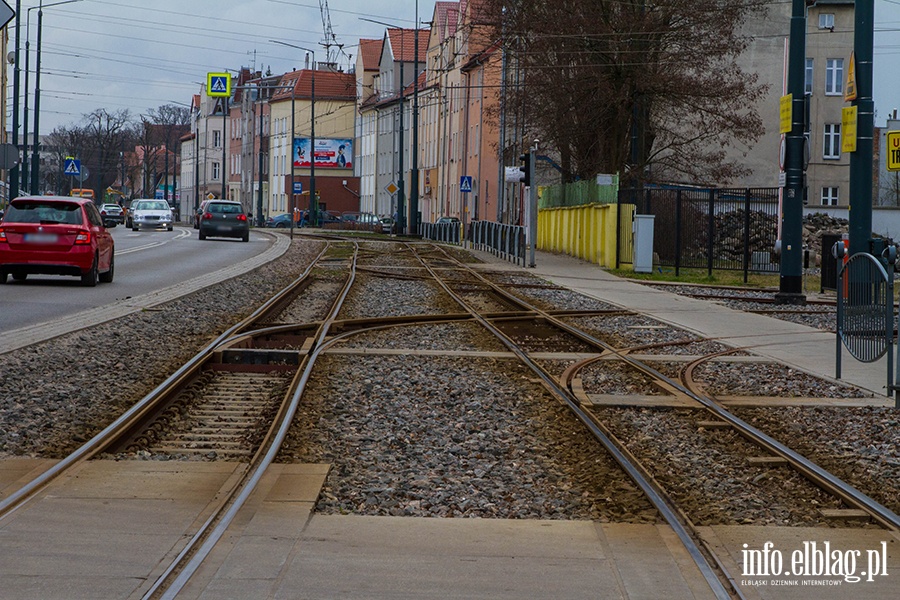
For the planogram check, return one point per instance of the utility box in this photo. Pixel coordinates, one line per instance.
(829, 268)
(642, 227)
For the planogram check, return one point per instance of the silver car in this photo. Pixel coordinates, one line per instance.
(151, 214)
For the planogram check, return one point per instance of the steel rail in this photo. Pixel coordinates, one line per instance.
(688, 537)
(143, 407)
(883, 515)
(191, 557)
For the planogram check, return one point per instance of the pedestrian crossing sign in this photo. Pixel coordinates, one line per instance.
(218, 85)
(465, 184)
(72, 167)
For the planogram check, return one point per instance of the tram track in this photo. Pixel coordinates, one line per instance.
(526, 329)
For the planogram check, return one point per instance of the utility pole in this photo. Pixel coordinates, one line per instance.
(14, 172)
(790, 288)
(861, 161)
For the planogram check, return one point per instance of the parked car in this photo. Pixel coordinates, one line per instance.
(387, 225)
(361, 221)
(55, 235)
(112, 214)
(279, 221)
(444, 220)
(322, 217)
(199, 214)
(224, 218)
(151, 213)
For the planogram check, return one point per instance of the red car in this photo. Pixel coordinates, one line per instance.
(55, 235)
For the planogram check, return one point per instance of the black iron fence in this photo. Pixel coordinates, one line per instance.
(449, 233)
(505, 241)
(728, 229)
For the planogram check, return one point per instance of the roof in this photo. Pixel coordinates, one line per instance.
(330, 85)
(370, 52)
(444, 22)
(403, 43)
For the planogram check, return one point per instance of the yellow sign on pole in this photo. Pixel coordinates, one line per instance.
(786, 112)
(850, 84)
(848, 129)
(893, 150)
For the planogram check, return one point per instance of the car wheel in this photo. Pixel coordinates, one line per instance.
(128, 224)
(280, 225)
(246, 237)
(135, 228)
(107, 277)
(89, 279)
(3, 276)
(20, 276)
(202, 236)
(170, 229)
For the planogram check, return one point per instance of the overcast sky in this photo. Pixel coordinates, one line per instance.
(140, 54)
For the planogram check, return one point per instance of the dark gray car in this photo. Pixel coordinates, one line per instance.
(222, 218)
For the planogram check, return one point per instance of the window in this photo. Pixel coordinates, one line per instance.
(215, 171)
(808, 85)
(826, 21)
(832, 141)
(834, 76)
(829, 196)
(217, 138)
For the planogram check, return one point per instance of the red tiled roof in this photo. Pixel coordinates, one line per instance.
(403, 43)
(370, 51)
(329, 85)
(441, 12)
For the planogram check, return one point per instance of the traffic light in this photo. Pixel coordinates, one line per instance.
(525, 168)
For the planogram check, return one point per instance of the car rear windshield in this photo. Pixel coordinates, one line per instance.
(45, 213)
(225, 208)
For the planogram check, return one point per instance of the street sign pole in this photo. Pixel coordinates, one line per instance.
(861, 161)
(533, 208)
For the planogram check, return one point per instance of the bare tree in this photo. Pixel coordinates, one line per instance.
(61, 143)
(172, 122)
(620, 87)
(106, 133)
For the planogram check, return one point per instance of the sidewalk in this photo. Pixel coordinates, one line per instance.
(804, 348)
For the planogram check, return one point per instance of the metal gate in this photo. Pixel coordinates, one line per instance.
(865, 308)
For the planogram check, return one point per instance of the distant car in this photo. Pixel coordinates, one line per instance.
(362, 221)
(387, 224)
(199, 214)
(151, 214)
(112, 214)
(224, 218)
(444, 220)
(55, 235)
(279, 221)
(322, 217)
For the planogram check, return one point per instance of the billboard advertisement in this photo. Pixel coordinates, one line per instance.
(330, 153)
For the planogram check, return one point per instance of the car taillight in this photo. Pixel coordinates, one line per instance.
(83, 237)
(2, 235)
(103, 212)
(242, 217)
(207, 215)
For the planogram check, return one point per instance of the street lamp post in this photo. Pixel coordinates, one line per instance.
(14, 172)
(414, 163)
(35, 149)
(312, 136)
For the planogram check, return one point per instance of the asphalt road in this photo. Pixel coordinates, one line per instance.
(146, 261)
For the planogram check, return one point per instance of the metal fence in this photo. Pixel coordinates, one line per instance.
(865, 311)
(728, 229)
(505, 241)
(448, 233)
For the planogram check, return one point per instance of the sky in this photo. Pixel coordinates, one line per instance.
(141, 54)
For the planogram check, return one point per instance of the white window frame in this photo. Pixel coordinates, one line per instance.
(217, 138)
(831, 141)
(215, 171)
(834, 76)
(809, 76)
(826, 20)
(830, 195)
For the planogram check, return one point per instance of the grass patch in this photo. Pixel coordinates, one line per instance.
(718, 277)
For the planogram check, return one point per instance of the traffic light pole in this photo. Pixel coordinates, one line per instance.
(861, 161)
(532, 207)
(790, 288)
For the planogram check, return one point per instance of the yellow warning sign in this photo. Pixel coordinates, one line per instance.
(786, 113)
(848, 129)
(893, 150)
(850, 87)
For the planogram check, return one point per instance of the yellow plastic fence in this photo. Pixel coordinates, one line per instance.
(587, 232)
